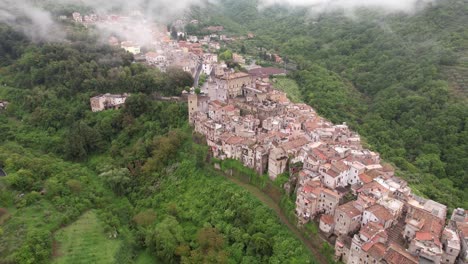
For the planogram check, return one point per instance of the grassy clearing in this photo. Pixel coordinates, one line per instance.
(85, 242)
(145, 258)
(288, 86)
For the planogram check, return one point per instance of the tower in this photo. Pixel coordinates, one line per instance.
(192, 107)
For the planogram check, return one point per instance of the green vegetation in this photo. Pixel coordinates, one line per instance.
(390, 77)
(83, 241)
(107, 186)
(145, 258)
(288, 86)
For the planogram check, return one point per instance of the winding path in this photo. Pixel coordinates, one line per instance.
(313, 246)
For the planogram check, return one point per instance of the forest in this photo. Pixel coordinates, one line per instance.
(134, 180)
(389, 76)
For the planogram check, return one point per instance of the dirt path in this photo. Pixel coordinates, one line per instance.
(313, 246)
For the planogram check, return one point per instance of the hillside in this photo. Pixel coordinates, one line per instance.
(398, 79)
(120, 185)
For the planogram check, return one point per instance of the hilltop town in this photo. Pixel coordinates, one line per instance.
(371, 215)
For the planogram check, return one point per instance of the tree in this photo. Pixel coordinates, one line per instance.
(118, 180)
(81, 141)
(226, 55)
(136, 105)
(165, 238)
(37, 248)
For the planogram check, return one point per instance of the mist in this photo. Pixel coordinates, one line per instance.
(34, 19)
(321, 6)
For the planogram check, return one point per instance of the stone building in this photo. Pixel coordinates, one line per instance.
(234, 82)
(347, 218)
(277, 162)
(451, 245)
(107, 101)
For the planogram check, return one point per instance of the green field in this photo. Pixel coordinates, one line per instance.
(85, 242)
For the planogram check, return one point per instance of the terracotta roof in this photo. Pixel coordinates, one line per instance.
(349, 209)
(373, 186)
(371, 229)
(216, 104)
(327, 219)
(365, 178)
(431, 223)
(463, 227)
(340, 166)
(398, 255)
(424, 236)
(380, 212)
(331, 193)
(295, 143)
(319, 154)
(229, 108)
(265, 72)
(332, 173)
(234, 140)
(307, 189)
(235, 76)
(377, 251)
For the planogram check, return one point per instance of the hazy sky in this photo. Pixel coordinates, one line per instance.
(39, 24)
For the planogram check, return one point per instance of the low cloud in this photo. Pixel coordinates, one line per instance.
(35, 22)
(320, 6)
(33, 18)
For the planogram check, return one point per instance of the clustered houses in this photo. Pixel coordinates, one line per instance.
(346, 188)
(108, 101)
(152, 43)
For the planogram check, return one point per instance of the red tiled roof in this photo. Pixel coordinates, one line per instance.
(377, 250)
(295, 143)
(373, 186)
(398, 255)
(332, 173)
(217, 103)
(380, 212)
(307, 189)
(319, 154)
(340, 166)
(424, 236)
(327, 219)
(463, 227)
(235, 76)
(234, 140)
(265, 72)
(330, 192)
(229, 108)
(365, 178)
(349, 209)
(371, 229)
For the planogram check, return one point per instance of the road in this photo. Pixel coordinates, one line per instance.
(197, 74)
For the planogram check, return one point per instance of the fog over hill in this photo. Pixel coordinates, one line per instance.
(35, 19)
